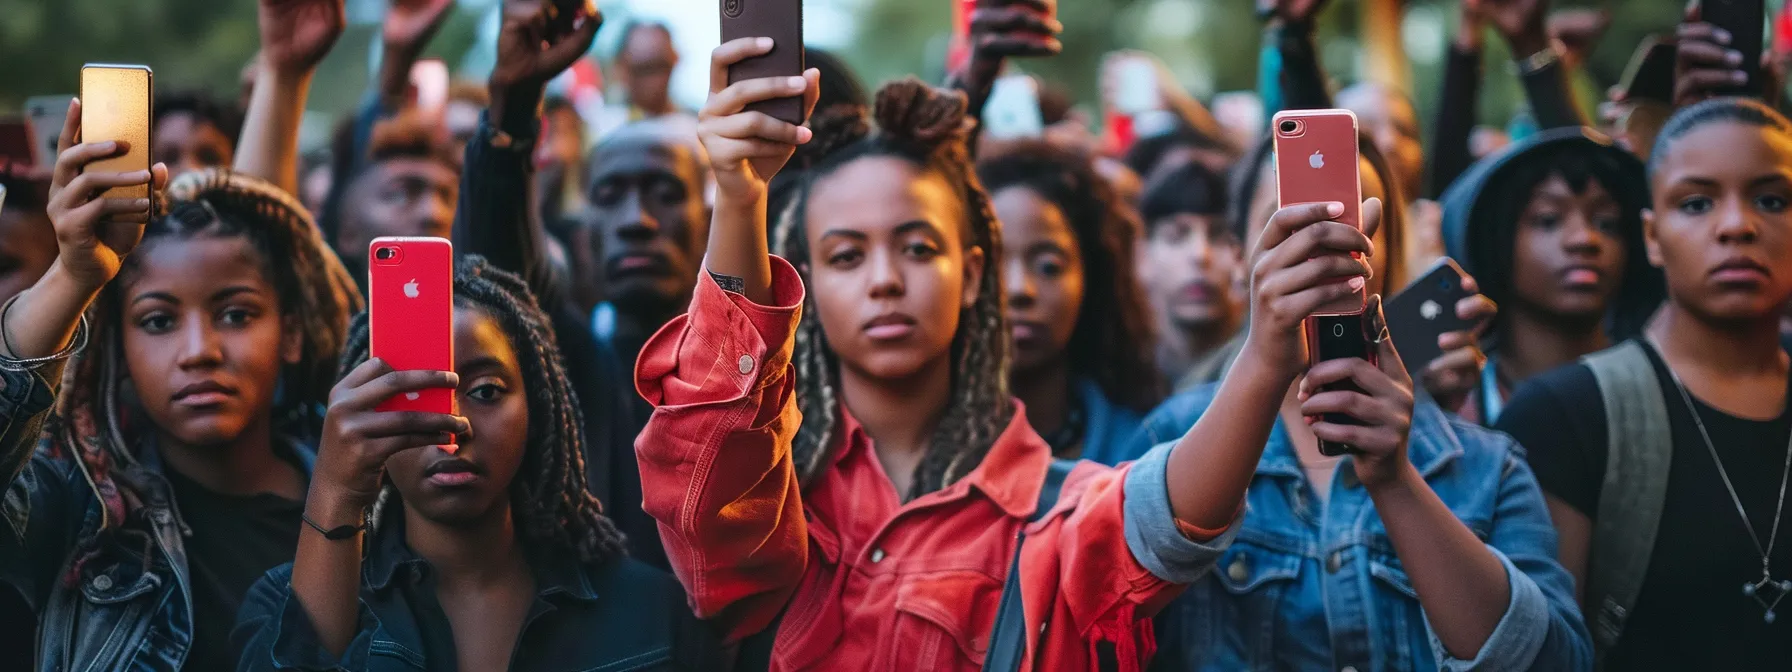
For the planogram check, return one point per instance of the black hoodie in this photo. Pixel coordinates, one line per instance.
(1475, 202)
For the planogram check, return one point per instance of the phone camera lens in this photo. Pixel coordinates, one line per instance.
(384, 254)
(1288, 126)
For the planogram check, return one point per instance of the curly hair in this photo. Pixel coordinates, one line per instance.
(1113, 342)
(928, 128)
(97, 414)
(548, 499)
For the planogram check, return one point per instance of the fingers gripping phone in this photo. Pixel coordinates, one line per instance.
(781, 20)
(410, 314)
(1332, 337)
(1317, 162)
(115, 106)
(1425, 310)
(1746, 21)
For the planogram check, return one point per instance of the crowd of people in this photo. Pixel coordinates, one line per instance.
(887, 390)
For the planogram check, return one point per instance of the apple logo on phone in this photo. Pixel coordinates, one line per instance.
(410, 289)
(1317, 160)
(1430, 310)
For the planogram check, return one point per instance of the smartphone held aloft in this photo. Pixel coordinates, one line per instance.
(115, 106)
(410, 314)
(1316, 161)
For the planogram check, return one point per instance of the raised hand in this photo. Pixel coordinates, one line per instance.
(1015, 29)
(1303, 261)
(93, 233)
(1383, 405)
(410, 24)
(1456, 373)
(357, 439)
(297, 34)
(531, 51)
(1705, 66)
(747, 148)
(1521, 22)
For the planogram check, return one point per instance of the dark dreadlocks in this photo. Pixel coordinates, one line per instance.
(548, 499)
(311, 286)
(1113, 342)
(926, 127)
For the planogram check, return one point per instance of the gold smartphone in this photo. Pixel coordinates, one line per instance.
(115, 105)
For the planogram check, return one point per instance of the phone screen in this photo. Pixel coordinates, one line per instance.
(115, 105)
(1013, 109)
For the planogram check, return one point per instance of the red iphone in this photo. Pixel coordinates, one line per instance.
(1316, 162)
(410, 313)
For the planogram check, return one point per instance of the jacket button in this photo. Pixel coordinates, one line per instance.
(746, 364)
(877, 555)
(1239, 570)
(1334, 561)
(102, 582)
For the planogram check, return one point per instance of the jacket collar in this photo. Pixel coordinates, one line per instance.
(1010, 475)
(555, 573)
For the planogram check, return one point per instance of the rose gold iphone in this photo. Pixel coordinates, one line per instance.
(1316, 162)
(115, 105)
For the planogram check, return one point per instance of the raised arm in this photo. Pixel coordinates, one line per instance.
(495, 218)
(1523, 23)
(1449, 154)
(1302, 260)
(407, 31)
(716, 470)
(1291, 70)
(1003, 29)
(295, 37)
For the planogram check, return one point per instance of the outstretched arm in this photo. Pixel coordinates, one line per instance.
(295, 37)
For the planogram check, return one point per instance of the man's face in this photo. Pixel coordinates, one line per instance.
(188, 144)
(397, 197)
(642, 237)
(646, 65)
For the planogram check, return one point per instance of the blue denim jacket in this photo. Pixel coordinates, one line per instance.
(1108, 428)
(131, 607)
(1314, 585)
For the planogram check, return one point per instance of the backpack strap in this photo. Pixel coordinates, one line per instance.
(1639, 451)
(1008, 638)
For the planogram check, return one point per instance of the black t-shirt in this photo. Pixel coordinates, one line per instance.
(235, 540)
(1691, 613)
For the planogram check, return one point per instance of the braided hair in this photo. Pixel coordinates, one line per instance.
(309, 282)
(928, 128)
(1113, 342)
(548, 499)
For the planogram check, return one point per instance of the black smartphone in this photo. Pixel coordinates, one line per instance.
(1332, 337)
(1650, 74)
(1425, 310)
(1746, 21)
(781, 20)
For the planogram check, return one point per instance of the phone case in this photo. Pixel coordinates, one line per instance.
(781, 20)
(1425, 310)
(1747, 21)
(1316, 162)
(115, 105)
(410, 314)
(46, 114)
(1332, 337)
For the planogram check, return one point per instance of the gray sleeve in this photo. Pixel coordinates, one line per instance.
(1151, 531)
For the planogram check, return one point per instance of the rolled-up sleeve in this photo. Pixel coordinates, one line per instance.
(716, 471)
(1152, 533)
(273, 632)
(1542, 628)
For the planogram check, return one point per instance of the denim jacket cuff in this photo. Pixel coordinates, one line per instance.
(1151, 530)
(1517, 639)
(296, 645)
(725, 346)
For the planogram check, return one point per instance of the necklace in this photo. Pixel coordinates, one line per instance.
(1766, 592)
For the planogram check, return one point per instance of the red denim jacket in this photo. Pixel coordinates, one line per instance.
(864, 582)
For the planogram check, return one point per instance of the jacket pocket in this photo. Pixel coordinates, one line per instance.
(812, 623)
(943, 621)
(1400, 630)
(1227, 621)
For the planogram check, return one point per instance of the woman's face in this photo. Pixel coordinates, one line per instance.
(1263, 206)
(204, 338)
(890, 267)
(1568, 253)
(1720, 228)
(474, 482)
(1043, 276)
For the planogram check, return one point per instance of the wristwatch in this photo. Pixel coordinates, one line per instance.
(1535, 63)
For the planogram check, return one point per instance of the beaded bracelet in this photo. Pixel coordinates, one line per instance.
(22, 364)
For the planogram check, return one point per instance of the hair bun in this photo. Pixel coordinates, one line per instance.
(834, 128)
(911, 111)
